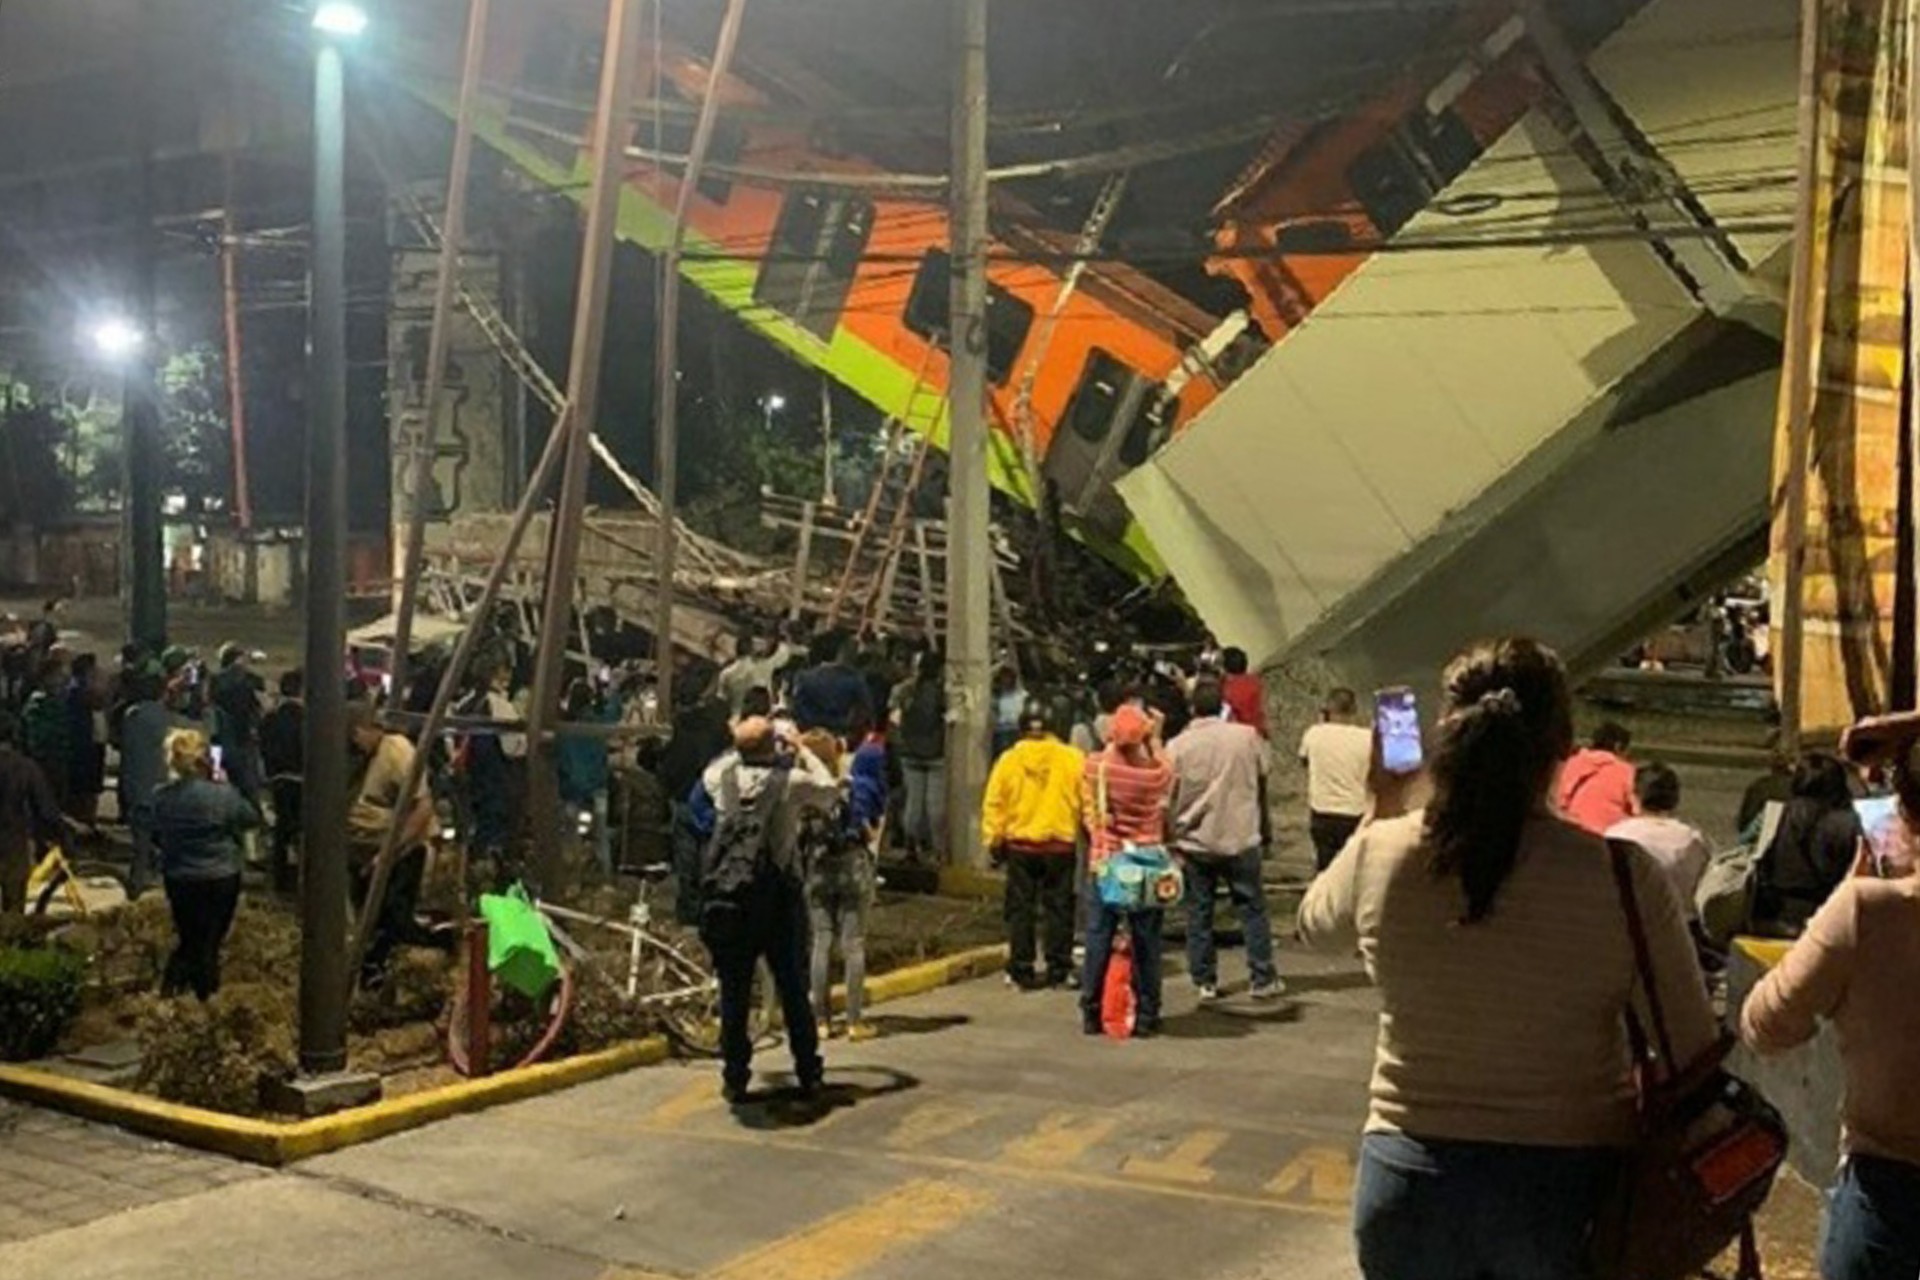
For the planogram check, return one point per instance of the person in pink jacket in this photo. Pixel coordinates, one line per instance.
(1595, 790)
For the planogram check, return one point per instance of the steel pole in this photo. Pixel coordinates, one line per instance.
(619, 61)
(140, 420)
(969, 563)
(324, 981)
(1801, 348)
(453, 232)
(666, 379)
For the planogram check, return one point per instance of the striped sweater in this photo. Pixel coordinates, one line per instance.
(1135, 802)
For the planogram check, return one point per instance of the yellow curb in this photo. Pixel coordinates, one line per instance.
(273, 1142)
(931, 975)
(1765, 952)
(969, 882)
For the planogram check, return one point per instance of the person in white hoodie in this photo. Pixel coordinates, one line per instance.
(753, 900)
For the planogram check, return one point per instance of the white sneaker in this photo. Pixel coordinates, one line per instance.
(1209, 993)
(1268, 990)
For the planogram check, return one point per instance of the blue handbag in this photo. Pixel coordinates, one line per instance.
(1140, 879)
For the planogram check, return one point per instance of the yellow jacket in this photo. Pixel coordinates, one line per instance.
(1033, 795)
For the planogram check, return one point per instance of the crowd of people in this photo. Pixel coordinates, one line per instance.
(1483, 891)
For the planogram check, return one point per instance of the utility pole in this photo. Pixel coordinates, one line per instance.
(236, 377)
(969, 563)
(324, 981)
(666, 371)
(618, 62)
(453, 234)
(1790, 657)
(140, 415)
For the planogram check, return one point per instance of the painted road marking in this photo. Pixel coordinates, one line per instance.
(1325, 1173)
(698, 1098)
(848, 1242)
(932, 1121)
(1185, 1164)
(1059, 1140)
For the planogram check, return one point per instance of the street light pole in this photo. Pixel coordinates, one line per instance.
(969, 569)
(145, 555)
(323, 881)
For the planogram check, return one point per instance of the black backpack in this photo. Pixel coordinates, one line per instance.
(739, 853)
(923, 721)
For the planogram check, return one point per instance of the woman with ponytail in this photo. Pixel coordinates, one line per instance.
(1495, 932)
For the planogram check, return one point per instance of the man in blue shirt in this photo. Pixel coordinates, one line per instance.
(834, 695)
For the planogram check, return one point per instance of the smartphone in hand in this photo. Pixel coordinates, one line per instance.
(1396, 723)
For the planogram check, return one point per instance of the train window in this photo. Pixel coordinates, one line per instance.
(1152, 425)
(1111, 395)
(1401, 174)
(809, 269)
(1095, 401)
(1009, 319)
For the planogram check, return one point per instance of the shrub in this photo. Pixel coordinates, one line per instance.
(602, 1016)
(217, 1054)
(418, 983)
(39, 999)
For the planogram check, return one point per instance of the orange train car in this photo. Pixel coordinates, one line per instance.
(814, 249)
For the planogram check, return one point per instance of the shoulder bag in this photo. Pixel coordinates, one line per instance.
(1708, 1149)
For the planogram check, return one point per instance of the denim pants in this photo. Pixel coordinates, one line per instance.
(1872, 1230)
(1429, 1209)
(1241, 875)
(924, 824)
(1144, 926)
(841, 916)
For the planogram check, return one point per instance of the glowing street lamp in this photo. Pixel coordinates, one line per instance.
(340, 19)
(117, 338)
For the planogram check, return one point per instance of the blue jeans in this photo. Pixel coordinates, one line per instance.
(1873, 1222)
(925, 817)
(1144, 926)
(1241, 875)
(1428, 1209)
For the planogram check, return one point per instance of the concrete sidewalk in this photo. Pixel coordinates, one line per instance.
(983, 1134)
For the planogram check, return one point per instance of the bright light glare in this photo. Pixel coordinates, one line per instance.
(776, 402)
(117, 338)
(338, 18)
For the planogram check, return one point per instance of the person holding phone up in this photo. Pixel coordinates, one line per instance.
(1858, 965)
(1124, 794)
(1496, 933)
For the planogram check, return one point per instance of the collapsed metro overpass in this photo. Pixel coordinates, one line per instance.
(1558, 416)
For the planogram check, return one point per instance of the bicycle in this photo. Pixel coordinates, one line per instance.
(59, 878)
(660, 977)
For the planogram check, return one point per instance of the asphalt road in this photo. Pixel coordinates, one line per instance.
(983, 1135)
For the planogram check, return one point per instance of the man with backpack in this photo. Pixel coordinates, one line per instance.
(1219, 827)
(752, 900)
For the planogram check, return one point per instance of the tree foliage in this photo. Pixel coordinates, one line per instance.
(63, 449)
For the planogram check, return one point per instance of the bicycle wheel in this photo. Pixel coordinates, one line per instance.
(547, 1018)
(692, 1019)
